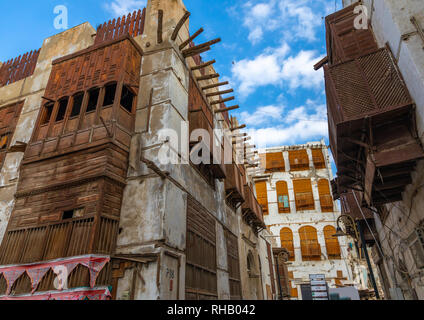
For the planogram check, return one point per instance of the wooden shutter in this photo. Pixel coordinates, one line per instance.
(233, 266)
(283, 199)
(311, 250)
(271, 266)
(262, 196)
(325, 198)
(275, 162)
(344, 41)
(303, 194)
(318, 159)
(286, 237)
(201, 279)
(299, 160)
(331, 243)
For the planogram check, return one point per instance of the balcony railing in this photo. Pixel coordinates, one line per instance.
(65, 239)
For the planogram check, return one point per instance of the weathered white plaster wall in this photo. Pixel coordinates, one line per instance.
(275, 221)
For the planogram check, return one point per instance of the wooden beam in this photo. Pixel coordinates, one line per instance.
(239, 127)
(321, 63)
(194, 53)
(203, 65)
(226, 109)
(208, 77)
(219, 93)
(222, 100)
(201, 46)
(195, 35)
(160, 25)
(215, 85)
(179, 25)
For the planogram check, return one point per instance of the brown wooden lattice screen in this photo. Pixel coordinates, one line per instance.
(18, 68)
(132, 25)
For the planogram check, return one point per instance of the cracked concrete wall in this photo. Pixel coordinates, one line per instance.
(275, 221)
(154, 209)
(390, 20)
(30, 90)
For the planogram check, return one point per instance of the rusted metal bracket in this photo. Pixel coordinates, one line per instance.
(179, 25)
(160, 26)
(149, 110)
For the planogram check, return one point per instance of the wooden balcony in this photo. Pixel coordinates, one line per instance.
(252, 211)
(87, 105)
(372, 126)
(234, 187)
(333, 249)
(304, 201)
(310, 251)
(201, 117)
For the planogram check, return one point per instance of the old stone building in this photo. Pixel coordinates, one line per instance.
(374, 74)
(299, 211)
(88, 206)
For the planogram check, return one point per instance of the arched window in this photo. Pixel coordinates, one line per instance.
(262, 196)
(283, 197)
(331, 243)
(311, 250)
(325, 198)
(303, 194)
(286, 237)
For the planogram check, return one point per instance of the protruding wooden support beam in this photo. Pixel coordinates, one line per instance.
(222, 100)
(208, 77)
(226, 109)
(195, 53)
(239, 127)
(219, 93)
(203, 65)
(200, 46)
(239, 135)
(215, 85)
(179, 25)
(160, 25)
(195, 35)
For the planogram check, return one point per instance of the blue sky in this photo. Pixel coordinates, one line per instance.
(267, 53)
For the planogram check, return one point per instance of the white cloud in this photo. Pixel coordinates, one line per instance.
(297, 19)
(261, 115)
(298, 126)
(122, 7)
(272, 67)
